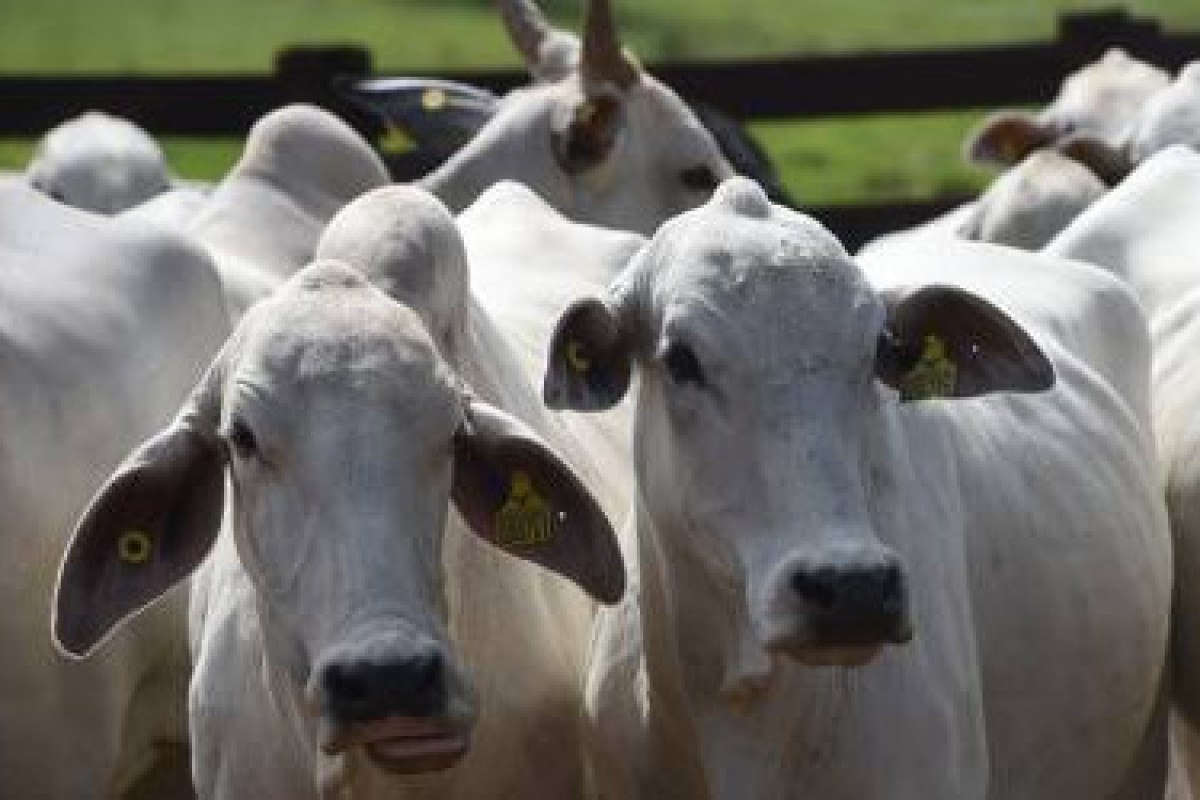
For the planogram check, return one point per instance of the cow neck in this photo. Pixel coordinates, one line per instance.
(712, 706)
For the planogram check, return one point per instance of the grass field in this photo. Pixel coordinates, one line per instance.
(822, 161)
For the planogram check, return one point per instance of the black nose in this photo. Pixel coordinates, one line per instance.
(367, 683)
(853, 604)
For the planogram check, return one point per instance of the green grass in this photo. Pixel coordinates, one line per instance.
(822, 161)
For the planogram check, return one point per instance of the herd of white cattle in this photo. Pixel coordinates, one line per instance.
(579, 469)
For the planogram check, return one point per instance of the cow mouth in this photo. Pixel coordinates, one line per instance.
(403, 745)
(843, 656)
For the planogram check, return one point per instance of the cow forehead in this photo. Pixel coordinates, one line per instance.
(774, 276)
(344, 340)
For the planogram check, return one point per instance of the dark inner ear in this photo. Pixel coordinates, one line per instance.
(941, 341)
(588, 135)
(440, 115)
(1110, 164)
(590, 361)
(1006, 137)
(147, 529)
(516, 494)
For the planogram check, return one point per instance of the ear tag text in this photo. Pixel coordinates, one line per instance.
(524, 518)
(433, 99)
(575, 357)
(934, 375)
(133, 547)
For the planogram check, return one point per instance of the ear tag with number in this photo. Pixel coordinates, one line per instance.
(524, 518)
(575, 357)
(934, 374)
(433, 99)
(133, 547)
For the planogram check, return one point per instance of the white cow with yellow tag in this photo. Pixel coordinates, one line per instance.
(364, 483)
(898, 529)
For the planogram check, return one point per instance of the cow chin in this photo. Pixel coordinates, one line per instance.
(829, 651)
(404, 745)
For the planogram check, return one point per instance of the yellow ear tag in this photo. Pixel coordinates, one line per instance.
(525, 518)
(934, 375)
(575, 357)
(134, 547)
(433, 99)
(586, 112)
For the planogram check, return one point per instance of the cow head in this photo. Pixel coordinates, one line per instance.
(343, 438)
(99, 163)
(596, 136)
(770, 378)
(1101, 100)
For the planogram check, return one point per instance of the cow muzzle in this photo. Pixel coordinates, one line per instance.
(390, 696)
(837, 612)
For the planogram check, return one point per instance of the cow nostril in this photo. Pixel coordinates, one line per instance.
(425, 671)
(815, 587)
(346, 682)
(890, 585)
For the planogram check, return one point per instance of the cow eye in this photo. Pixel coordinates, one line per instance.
(682, 365)
(242, 440)
(699, 178)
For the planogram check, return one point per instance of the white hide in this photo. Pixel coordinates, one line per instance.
(1171, 117)
(1025, 207)
(99, 163)
(105, 325)
(1030, 528)
(1031, 202)
(261, 223)
(366, 461)
(647, 144)
(1147, 232)
(1103, 99)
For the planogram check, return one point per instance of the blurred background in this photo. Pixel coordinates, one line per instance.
(841, 160)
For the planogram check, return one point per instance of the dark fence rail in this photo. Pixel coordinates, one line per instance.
(779, 88)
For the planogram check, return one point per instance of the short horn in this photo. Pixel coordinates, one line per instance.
(527, 27)
(602, 58)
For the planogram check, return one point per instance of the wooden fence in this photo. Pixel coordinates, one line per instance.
(777, 88)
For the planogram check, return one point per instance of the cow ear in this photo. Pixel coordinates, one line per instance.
(1110, 164)
(146, 529)
(940, 341)
(516, 494)
(439, 115)
(1006, 137)
(584, 134)
(589, 362)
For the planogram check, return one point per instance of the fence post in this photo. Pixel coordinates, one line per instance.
(308, 74)
(1084, 37)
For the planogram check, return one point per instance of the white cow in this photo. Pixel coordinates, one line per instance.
(1102, 99)
(596, 136)
(261, 223)
(99, 163)
(348, 624)
(1041, 192)
(854, 584)
(105, 324)
(1170, 117)
(1147, 232)
(1029, 203)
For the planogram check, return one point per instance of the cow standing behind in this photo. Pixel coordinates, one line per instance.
(1147, 232)
(597, 137)
(99, 163)
(105, 324)
(862, 574)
